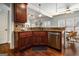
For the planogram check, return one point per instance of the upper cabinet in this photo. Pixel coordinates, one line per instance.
(20, 12)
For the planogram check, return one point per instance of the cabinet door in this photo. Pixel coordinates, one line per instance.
(44, 38)
(22, 43)
(20, 12)
(28, 42)
(15, 40)
(36, 40)
(44, 41)
(40, 38)
(19, 47)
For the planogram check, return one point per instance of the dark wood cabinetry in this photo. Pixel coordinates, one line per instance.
(40, 38)
(22, 40)
(20, 12)
(27, 39)
(44, 38)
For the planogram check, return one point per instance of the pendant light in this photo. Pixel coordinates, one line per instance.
(40, 15)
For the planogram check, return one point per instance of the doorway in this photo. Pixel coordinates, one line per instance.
(4, 29)
(4, 26)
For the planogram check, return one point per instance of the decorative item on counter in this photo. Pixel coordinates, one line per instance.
(27, 25)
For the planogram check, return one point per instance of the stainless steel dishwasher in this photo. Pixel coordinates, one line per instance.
(54, 40)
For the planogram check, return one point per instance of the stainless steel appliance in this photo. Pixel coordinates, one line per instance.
(54, 40)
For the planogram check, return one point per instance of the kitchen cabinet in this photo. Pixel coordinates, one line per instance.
(20, 12)
(36, 39)
(30, 38)
(44, 38)
(22, 40)
(40, 38)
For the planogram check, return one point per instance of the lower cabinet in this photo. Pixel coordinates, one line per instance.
(24, 40)
(44, 38)
(35, 40)
(40, 38)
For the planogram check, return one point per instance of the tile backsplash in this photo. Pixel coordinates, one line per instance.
(18, 26)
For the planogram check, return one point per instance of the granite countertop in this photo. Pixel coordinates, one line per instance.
(58, 29)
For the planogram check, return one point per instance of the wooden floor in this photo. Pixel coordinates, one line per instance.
(72, 49)
(48, 52)
(5, 50)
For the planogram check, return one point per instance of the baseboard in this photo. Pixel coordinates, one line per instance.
(12, 50)
(21, 50)
(55, 48)
(4, 43)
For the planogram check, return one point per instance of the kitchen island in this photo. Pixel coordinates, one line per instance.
(39, 36)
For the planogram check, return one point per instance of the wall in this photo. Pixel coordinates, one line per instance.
(10, 24)
(11, 27)
(5, 10)
(3, 25)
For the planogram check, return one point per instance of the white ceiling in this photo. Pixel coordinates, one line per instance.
(33, 14)
(49, 9)
(3, 8)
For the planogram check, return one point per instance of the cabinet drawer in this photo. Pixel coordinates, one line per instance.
(43, 33)
(39, 33)
(25, 34)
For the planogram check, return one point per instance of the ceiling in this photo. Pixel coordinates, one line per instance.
(3, 8)
(7, 4)
(52, 9)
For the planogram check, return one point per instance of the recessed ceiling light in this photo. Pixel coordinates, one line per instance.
(29, 15)
(40, 15)
(51, 16)
(22, 5)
